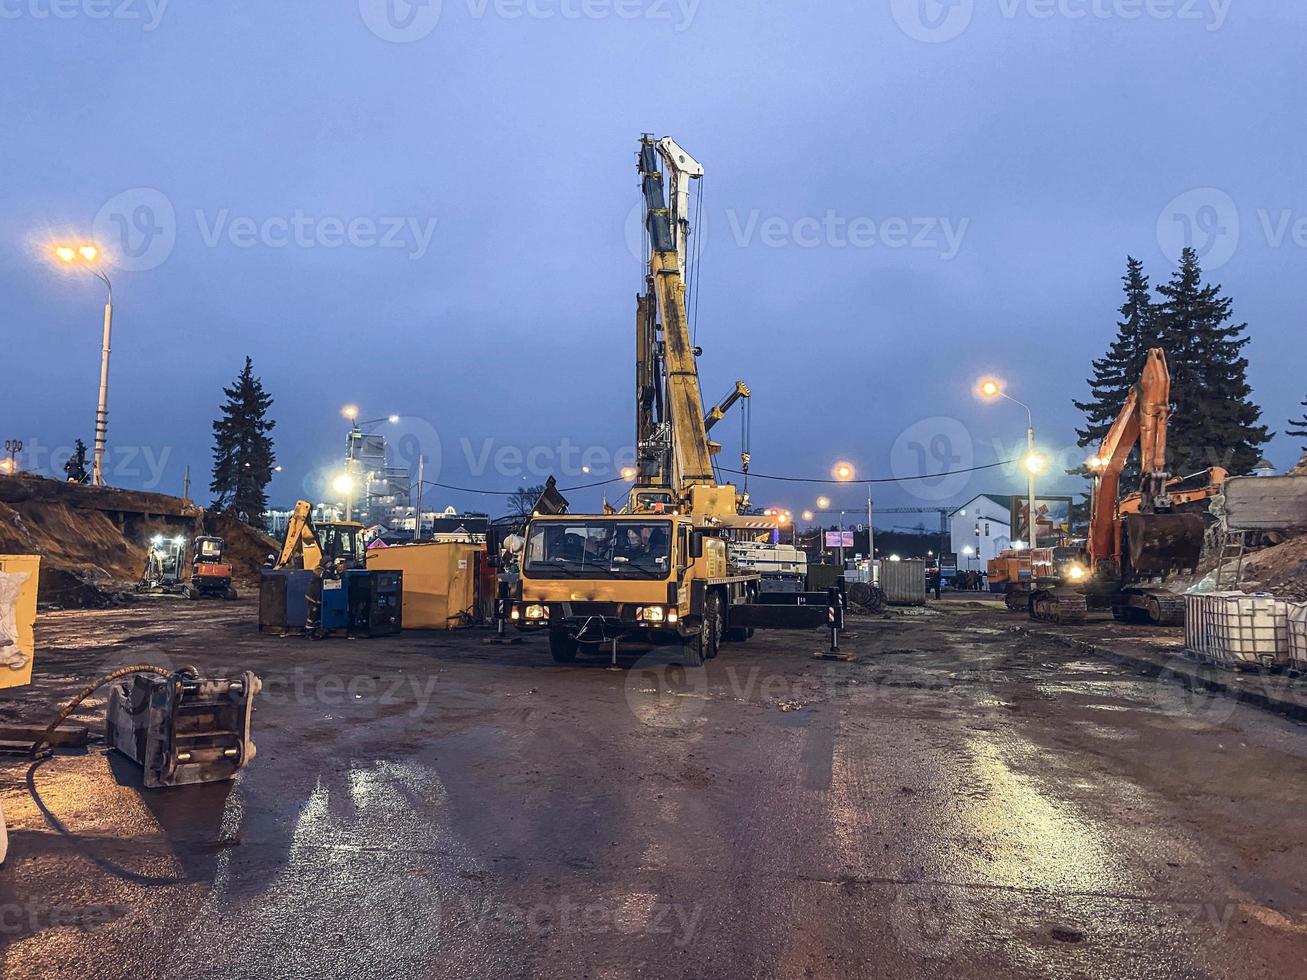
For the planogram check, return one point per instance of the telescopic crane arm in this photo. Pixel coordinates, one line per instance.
(690, 454)
(718, 412)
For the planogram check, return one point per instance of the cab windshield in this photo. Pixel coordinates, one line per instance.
(599, 549)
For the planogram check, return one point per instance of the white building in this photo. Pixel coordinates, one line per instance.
(980, 529)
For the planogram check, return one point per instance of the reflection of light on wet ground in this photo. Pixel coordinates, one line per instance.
(1033, 838)
(373, 839)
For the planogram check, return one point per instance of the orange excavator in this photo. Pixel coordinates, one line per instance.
(1137, 540)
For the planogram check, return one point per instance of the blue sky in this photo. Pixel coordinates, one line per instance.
(425, 210)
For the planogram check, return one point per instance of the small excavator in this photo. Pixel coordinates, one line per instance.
(166, 569)
(1137, 540)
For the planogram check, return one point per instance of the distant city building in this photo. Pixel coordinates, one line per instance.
(980, 529)
(279, 520)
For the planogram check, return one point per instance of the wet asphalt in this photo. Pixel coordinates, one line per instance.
(959, 801)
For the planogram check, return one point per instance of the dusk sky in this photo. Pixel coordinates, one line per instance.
(430, 211)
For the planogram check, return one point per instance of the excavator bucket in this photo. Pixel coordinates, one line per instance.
(1162, 543)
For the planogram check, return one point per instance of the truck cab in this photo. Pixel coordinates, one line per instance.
(645, 579)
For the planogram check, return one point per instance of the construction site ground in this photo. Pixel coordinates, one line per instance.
(969, 796)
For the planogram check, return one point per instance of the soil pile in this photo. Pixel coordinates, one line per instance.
(93, 540)
(245, 548)
(1281, 571)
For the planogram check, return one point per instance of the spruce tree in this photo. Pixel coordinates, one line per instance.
(1118, 370)
(1299, 430)
(242, 450)
(75, 465)
(1214, 421)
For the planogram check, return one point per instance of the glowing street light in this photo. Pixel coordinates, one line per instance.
(628, 472)
(807, 515)
(823, 503)
(352, 441)
(991, 388)
(88, 255)
(843, 472)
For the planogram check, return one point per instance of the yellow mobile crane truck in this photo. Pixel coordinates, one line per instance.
(658, 572)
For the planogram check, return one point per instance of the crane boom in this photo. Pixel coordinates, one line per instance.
(684, 449)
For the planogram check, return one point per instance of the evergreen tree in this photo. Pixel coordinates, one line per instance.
(1118, 370)
(1299, 430)
(242, 450)
(1214, 422)
(75, 466)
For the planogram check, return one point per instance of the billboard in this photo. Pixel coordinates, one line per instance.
(1052, 519)
(839, 539)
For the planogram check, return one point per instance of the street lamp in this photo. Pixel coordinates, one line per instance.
(344, 485)
(991, 388)
(356, 427)
(87, 256)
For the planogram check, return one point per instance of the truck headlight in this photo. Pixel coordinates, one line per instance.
(537, 612)
(1077, 573)
(650, 614)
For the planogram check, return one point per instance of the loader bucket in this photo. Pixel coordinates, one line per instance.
(1161, 543)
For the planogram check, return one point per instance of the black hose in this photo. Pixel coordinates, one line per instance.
(87, 691)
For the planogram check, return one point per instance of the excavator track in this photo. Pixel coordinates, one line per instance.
(1063, 607)
(1153, 608)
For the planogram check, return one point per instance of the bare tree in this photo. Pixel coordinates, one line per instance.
(523, 501)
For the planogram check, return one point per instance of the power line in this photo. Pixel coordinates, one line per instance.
(511, 493)
(865, 482)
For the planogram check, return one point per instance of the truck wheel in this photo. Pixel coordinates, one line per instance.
(562, 646)
(703, 646)
(231, 594)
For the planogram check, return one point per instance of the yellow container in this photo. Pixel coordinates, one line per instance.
(439, 581)
(19, 615)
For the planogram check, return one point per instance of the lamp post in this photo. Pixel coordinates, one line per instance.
(991, 388)
(351, 412)
(87, 256)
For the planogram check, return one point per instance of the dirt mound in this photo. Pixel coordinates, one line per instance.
(92, 540)
(245, 548)
(1281, 570)
(85, 560)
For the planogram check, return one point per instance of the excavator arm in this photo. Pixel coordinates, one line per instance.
(301, 538)
(1141, 535)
